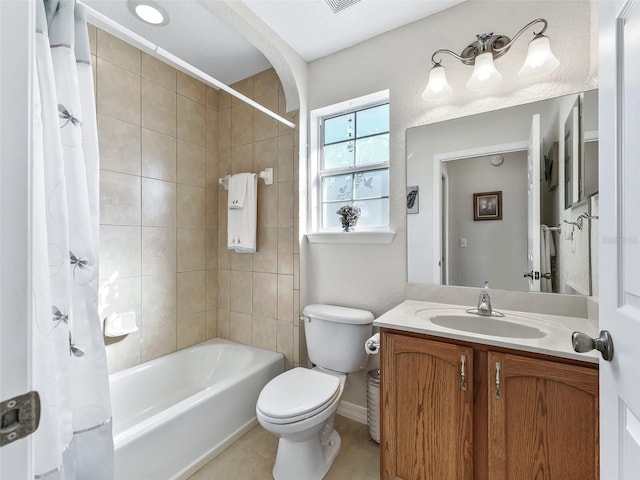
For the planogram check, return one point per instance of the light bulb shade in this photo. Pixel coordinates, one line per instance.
(437, 86)
(484, 73)
(540, 59)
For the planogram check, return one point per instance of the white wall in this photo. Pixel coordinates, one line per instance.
(488, 243)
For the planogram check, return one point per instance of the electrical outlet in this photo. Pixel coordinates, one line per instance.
(463, 243)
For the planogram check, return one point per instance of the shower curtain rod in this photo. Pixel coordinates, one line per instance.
(118, 30)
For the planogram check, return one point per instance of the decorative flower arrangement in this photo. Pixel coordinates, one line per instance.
(349, 216)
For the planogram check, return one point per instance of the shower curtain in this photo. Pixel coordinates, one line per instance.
(74, 439)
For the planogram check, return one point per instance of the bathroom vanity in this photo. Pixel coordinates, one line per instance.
(469, 397)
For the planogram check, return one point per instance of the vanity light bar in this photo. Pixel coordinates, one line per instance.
(151, 48)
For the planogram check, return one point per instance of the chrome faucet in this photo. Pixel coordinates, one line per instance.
(484, 307)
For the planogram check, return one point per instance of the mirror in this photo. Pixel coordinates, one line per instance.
(500, 195)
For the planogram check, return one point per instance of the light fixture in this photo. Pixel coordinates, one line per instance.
(149, 12)
(540, 61)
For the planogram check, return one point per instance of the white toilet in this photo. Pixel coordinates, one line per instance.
(299, 406)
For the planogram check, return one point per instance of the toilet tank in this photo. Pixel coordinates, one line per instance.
(336, 336)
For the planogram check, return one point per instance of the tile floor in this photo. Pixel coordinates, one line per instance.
(358, 458)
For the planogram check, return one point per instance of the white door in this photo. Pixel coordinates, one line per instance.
(17, 32)
(619, 164)
(533, 205)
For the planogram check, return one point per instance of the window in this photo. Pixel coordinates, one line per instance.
(353, 166)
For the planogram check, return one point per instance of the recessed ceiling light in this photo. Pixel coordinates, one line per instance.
(149, 11)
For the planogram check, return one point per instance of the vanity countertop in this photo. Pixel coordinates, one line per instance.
(414, 316)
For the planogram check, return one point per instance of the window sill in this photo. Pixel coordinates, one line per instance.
(372, 237)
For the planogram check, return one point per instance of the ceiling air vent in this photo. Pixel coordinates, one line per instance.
(339, 5)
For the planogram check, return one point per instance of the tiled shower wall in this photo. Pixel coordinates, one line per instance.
(163, 214)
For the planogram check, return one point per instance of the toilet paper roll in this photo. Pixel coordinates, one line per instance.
(372, 345)
(119, 324)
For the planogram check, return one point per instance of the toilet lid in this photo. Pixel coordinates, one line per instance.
(297, 394)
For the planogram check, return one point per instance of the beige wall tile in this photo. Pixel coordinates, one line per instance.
(223, 212)
(224, 129)
(224, 290)
(158, 203)
(191, 207)
(118, 92)
(191, 329)
(223, 323)
(191, 164)
(119, 198)
(119, 53)
(224, 254)
(123, 352)
(211, 324)
(296, 271)
(224, 165)
(158, 108)
(212, 290)
(240, 328)
(212, 98)
(285, 250)
(211, 154)
(120, 295)
(265, 294)
(285, 341)
(120, 251)
(265, 126)
(296, 202)
(211, 197)
(242, 158)
(212, 248)
(296, 237)
(159, 298)
(266, 82)
(119, 145)
(285, 298)
(241, 261)
(296, 346)
(285, 158)
(158, 72)
(245, 87)
(192, 292)
(224, 100)
(158, 339)
(158, 250)
(241, 124)
(266, 257)
(192, 249)
(285, 204)
(265, 155)
(158, 155)
(211, 128)
(264, 333)
(190, 121)
(241, 292)
(282, 110)
(191, 88)
(93, 33)
(268, 205)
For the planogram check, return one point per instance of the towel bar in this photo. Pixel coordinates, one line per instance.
(266, 175)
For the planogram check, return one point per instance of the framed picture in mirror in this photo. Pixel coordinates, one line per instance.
(487, 206)
(551, 167)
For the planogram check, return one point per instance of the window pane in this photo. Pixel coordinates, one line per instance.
(339, 128)
(339, 155)
(374, 212)
(372, 149)
(337, 187)
(372, 120)
(330, 218)
(372, 184)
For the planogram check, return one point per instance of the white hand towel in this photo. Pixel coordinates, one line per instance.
(242, 223)
(238, 186)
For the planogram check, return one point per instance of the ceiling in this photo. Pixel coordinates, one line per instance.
(309, 26)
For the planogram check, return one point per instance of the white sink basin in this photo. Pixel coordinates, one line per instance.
(497, 327)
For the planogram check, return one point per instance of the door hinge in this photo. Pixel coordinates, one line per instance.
(19, 417)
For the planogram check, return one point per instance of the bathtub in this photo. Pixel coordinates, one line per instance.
(175, 413)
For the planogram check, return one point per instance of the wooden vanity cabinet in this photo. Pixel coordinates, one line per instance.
(535, 419)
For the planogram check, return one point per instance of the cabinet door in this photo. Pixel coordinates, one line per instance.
(427, 396)
(543, 420)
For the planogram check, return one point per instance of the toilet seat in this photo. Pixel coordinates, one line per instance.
(297, 394)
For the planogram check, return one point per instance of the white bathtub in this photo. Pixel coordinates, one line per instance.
(173, 414)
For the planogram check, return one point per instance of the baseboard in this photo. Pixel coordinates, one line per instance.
(357, 413)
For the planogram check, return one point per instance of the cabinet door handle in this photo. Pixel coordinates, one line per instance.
(498, 393)
(463, 373)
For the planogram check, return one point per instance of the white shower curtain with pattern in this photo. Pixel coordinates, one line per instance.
(74, 440)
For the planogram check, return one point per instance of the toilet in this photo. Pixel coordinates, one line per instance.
(299, 406)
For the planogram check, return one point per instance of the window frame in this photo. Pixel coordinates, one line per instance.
(317, 171)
